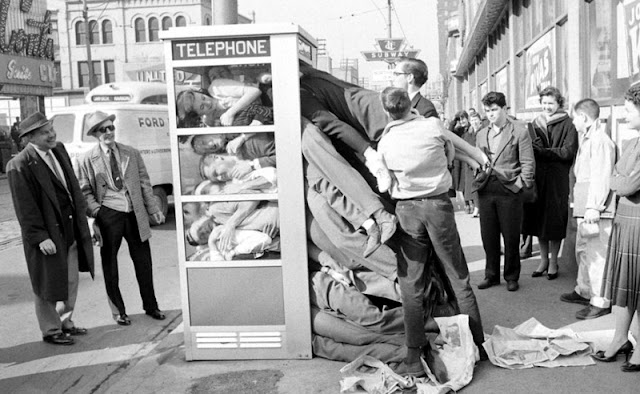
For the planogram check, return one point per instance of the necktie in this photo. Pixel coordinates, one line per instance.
(115, 171)
(57, 173)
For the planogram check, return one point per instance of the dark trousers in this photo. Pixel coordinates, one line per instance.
(500, 214)
(431, 223)
(114, 226)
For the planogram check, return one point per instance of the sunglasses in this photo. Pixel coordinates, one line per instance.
(105, 129)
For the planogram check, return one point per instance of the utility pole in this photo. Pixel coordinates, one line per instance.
(389, 19)
(85, 15)
(225, 12)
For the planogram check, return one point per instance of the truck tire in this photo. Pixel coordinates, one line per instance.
(161, 196)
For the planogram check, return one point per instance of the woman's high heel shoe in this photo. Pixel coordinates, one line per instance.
(625, 349)
(537, 274)
(552, 276)
(629, 367)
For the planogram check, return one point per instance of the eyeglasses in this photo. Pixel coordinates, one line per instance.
(395, 73)
(105, 129)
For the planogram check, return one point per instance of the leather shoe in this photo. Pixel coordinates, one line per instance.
(574, 298)
(485, 284)
(512, 285)
(373, 240)
(123, 320)
(416, 370)
(592, 312)
(386, 223)
(58, 339)
(630, 367)
(156, 314)
(75, 331)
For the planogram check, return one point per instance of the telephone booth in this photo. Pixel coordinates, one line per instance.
(239, 196)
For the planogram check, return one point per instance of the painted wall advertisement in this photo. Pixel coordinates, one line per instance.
(540, 66)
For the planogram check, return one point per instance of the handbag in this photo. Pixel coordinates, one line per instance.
(529, 194)
(481, 178)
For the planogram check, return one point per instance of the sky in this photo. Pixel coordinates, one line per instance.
(352, 26)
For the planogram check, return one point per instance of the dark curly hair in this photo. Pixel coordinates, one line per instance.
(633, 94)
(553, 92)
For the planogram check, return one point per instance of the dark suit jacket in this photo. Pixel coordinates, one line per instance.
(513, 163)
(40, 217)
(424, 106)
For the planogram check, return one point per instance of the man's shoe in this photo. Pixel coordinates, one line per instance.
(373, 240)
(485, 284)
(75, 331)
(58, 339)
(512, 285)
(592, 312)
(526, 255)
(123, 320)
(156, 314)
(416, 370)
(387, 223)
(574, 298)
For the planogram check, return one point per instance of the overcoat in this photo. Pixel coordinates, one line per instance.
(93, 175)
(40, 217)
(555, 151)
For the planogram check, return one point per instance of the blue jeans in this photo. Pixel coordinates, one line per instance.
(430, 223)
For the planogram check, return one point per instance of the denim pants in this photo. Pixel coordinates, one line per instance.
(430, 223)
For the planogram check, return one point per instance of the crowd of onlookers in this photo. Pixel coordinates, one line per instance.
(544, 171)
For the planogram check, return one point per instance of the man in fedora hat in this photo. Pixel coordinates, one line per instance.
(118, 192)
(55, 234)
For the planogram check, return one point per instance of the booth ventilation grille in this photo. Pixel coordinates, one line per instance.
(238, 340)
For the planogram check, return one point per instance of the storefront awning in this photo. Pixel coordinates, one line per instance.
(478, 32)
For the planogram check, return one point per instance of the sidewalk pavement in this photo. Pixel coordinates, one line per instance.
(148, 357)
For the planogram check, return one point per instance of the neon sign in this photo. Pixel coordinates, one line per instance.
(21, 43)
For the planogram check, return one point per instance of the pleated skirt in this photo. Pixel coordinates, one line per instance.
(621, 282)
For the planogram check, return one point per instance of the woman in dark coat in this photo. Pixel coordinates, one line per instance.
(459, 127)
(555, 146)
(470, 196)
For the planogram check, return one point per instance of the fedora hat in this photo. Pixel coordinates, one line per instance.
(33, 122)
(94, 120)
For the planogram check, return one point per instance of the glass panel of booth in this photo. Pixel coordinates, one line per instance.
(215, 95)
(228, 163)
(231, 230)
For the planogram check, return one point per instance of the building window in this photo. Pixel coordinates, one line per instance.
(166, 23)
(56, 67)
(140, 30)
(107, 32)
(181, 21)
(153, 29)
(83, 74)
(94, 37)
(80, 33)
(109, 71)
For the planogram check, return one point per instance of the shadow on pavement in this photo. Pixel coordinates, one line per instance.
(143, 329)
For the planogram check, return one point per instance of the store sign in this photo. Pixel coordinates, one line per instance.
(221, 48)
(540, 69)
(17, 70)
(391, 50)
(632, 23)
